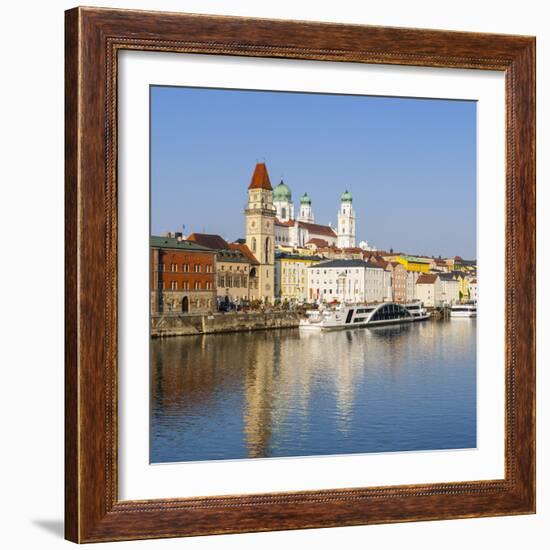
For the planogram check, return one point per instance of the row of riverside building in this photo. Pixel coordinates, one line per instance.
(295, 261)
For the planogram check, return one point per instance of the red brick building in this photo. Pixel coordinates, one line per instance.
(183, 277)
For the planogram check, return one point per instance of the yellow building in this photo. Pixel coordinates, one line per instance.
(291, 276)
(463, 285)
(413, 263)
(295, 250)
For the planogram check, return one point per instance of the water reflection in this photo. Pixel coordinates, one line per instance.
(286, 393)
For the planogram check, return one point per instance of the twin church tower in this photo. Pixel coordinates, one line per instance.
(270, 221)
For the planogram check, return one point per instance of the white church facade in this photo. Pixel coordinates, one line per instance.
(302, 230)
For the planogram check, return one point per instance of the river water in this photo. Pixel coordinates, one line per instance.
(280, 393)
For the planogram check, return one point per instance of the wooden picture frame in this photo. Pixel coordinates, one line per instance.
(93, 511)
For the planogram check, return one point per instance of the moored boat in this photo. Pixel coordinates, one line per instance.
(464, 310)
(363, 315)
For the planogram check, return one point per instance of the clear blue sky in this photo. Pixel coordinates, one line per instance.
(409, 163)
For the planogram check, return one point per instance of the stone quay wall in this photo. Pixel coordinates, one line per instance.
(184, 325)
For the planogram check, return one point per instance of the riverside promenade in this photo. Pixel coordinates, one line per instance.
(164, 325)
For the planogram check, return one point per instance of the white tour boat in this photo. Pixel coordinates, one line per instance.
(464, 310)
(361, 315)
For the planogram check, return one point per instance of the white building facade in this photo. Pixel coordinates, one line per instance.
(450, 290)
(298, 234)
(472, 286)
(412, 277)
(349, 281)
(388, 290)
(428, 290)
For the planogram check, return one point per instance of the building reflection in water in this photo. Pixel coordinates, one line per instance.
(286, 393)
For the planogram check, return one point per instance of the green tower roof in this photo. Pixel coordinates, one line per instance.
(346, 196)
(305, 199)
(282, 192)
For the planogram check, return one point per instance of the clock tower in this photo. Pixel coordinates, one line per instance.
(260, 231)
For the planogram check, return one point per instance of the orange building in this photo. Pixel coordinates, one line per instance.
(183, 277)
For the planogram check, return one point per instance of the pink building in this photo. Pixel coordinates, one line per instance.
(398, 278)
(399, 281)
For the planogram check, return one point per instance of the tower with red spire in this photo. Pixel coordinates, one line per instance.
(260, 231)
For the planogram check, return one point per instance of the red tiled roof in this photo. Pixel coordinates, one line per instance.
(318, 229)
(318, 242)
(289, 223)
(245, 250)
(260, 178)
(210, 241)
(353, 249)
(426, 279)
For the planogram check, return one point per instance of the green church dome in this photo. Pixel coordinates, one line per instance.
(282, 192)
(305, 199)
(346, 196)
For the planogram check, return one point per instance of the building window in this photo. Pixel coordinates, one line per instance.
(197, 285)
(185, 268)
(267, 250)
(221, 281)
(254, 245)
(173, 267)
(174, 285)
(185, 285)
(197, 268)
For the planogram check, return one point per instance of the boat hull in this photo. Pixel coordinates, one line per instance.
(463, 314)
(327, 324)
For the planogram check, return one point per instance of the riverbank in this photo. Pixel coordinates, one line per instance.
(186, 325)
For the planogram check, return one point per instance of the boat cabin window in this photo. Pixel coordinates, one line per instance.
(390, 312)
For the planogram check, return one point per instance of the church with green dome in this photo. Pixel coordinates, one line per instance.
(282, 200)
(301, 230)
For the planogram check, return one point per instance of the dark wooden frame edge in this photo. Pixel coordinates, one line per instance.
(92, 510)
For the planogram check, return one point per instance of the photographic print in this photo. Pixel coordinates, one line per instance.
(313, 274)
(273, 248)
